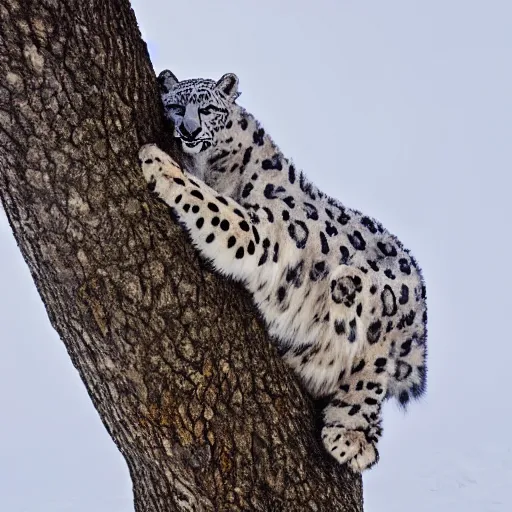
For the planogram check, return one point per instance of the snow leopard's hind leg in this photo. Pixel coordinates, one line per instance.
(352, 419)
(352, 422)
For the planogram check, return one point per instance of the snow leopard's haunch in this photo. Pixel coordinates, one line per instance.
(343, 297)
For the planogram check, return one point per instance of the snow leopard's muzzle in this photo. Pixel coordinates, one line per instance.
(193, 138)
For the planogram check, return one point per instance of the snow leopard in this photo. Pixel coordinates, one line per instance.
(342, 297)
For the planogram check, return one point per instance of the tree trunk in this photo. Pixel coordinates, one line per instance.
(174, 358)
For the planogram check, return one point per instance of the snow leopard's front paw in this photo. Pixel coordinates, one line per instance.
(158, 168)
(350, 447)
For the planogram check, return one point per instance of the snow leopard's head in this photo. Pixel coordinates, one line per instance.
(200, 109)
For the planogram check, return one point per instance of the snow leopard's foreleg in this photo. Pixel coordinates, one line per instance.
(218, 226)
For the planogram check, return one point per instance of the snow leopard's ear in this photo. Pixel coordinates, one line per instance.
(228, 84)
(167, 81)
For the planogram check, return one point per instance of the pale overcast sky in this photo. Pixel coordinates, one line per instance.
(401, 109)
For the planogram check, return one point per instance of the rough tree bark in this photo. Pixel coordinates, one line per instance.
(174, 358)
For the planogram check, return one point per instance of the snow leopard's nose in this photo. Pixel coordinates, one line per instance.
(189, 132)
(191, 125)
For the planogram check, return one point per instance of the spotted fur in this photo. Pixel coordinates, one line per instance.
(342, 296)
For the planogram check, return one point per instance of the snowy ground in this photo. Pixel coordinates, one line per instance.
(400, 109)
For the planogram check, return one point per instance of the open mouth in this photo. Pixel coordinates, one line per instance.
(205, 144)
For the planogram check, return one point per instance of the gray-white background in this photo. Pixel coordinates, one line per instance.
(402, 109)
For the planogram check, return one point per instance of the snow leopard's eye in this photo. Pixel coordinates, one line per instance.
(210, 109)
